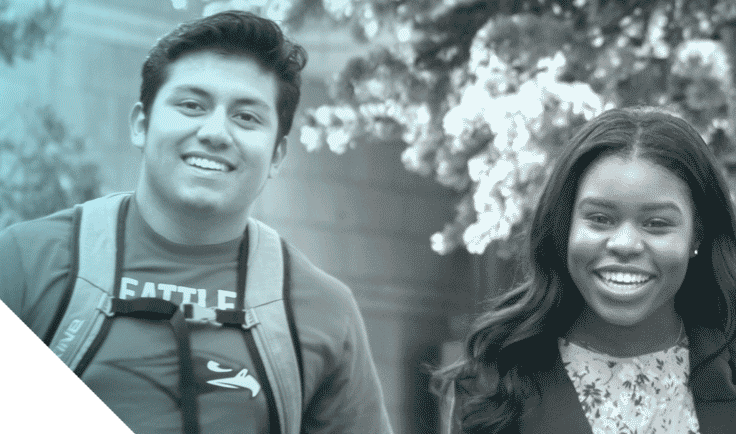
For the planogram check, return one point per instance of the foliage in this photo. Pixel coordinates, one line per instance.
(482, 95)
(42, 168)
(26, 26)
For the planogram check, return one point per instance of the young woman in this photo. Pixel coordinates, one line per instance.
(626, 322)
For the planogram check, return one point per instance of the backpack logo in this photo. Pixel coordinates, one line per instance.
(242, 380)
(212, 372)
(69, 334)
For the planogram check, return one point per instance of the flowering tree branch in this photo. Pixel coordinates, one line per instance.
(482, 95)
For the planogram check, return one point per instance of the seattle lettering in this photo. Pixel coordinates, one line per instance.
(132, 288)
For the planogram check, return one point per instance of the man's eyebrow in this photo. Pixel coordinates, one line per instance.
(652, 206)
(193, 89)
(252, 102)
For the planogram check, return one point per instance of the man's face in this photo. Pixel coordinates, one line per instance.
(208, 142)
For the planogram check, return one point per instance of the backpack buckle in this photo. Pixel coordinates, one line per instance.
(250, 319)
(198, 314)
(105, 305)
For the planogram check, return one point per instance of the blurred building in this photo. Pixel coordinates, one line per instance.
(359, 216)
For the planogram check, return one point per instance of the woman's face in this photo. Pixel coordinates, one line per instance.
(631, 239)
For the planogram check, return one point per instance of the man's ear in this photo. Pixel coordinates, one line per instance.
(138, 126)
(279, 153)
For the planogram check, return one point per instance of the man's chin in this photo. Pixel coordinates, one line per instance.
(202, 205)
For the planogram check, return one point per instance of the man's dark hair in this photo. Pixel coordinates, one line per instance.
(230, 33)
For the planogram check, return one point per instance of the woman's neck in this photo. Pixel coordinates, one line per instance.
(661, 330)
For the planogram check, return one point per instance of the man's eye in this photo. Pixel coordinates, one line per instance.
(247, 117)
(190, 105)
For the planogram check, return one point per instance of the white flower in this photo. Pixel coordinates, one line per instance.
(513, 211)
(338, 8)
(338, 140)
(346, 114)
(528, 101)
(422, 113)
(500, 171)
(216, 6)
(179, 4)
(705, 53)
(522, 136)
(554, 65)
(478, 166)
(413, 159)
(476, 238)
(503, 230)
(311, 138)
(323, 115)
(279, 10)
(372, 110)
(441, 244)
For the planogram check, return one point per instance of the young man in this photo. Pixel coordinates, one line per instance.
(217, 101)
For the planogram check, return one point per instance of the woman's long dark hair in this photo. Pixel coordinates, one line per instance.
(517, 336)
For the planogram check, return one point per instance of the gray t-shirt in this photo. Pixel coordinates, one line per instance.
(135, 371)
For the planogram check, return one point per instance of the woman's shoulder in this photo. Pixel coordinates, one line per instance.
(712, 360)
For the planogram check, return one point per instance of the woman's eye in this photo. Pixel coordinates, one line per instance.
(657, 223)
(599, 219)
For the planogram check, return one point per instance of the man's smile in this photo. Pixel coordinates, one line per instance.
(207, 162)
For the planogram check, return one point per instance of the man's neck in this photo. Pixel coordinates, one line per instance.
(188, 226)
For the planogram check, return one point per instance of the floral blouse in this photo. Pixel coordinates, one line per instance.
(647, 394)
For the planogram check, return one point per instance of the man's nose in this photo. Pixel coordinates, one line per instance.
(214, 130)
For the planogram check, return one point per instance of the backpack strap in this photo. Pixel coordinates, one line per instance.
(71, 279)
(89, 303)
(264, 298)
(290, 314)
(82, 320)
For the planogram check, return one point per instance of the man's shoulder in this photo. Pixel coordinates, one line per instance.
(305, 273)
(33, 255)
(53, 226)
(39, 231)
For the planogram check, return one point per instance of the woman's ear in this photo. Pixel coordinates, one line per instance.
(697, 236)
(138, 126)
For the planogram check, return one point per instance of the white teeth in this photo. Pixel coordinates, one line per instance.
(205, 164)
(624, 277)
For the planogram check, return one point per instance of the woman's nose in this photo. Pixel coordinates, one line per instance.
(626, 240)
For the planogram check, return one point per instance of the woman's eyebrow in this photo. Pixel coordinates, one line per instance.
(652, 206)
(594, 201)
(658, 206)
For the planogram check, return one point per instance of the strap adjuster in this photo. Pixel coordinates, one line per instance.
(198, 314)
(250, 319)
(105, 305)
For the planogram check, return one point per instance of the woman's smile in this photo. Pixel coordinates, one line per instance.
(624, 287)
